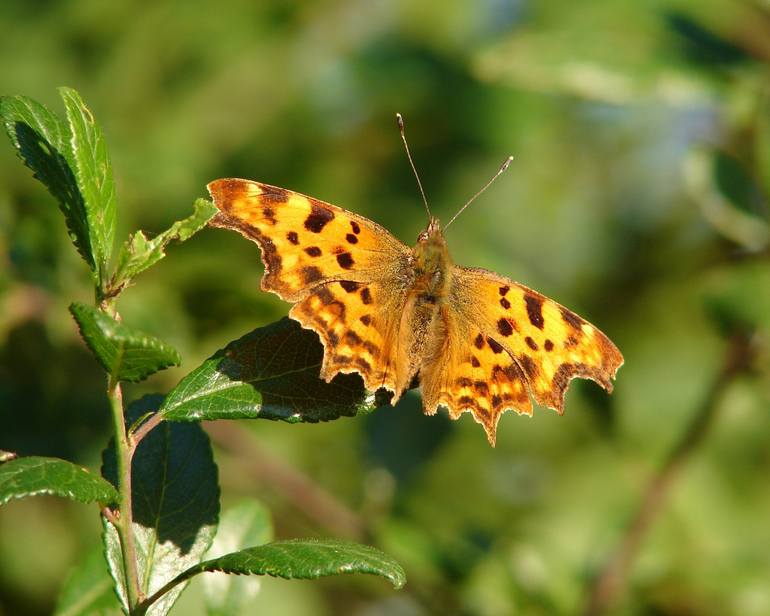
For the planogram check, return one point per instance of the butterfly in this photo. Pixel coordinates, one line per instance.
(478, 341)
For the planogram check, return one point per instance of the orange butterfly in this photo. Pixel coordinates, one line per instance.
(478, 341)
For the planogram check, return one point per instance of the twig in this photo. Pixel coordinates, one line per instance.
(611, 580)
(301, 490)
(123, 523)
(144, 429)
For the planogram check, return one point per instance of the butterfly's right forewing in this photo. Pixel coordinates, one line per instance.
(347, 276)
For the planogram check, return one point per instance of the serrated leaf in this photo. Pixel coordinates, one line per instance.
(87, 591)
(175, 498)
(138, 253)
(127, 354)
(42, 142)
(93, 173)
(247, 523)
(304, 559)
(34, 475)
(270, 373)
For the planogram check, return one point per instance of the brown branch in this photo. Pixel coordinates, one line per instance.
(136, 437)
(304, 493)
(612, 578)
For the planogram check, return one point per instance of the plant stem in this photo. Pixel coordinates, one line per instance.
(144, 429)
(124, 526)
(611, 580)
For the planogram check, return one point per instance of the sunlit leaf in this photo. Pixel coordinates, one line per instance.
(304, 559)
(34, 475)
(125, 353)
(139, 253)
(93, 173)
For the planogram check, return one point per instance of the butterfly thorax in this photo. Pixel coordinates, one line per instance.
(432, 264)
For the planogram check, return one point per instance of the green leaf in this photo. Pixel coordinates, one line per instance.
(93, 172)
(87, 591)
(138, 253)
(125, 353)
(34, 475)
(42, 142)
(702, 183)
(303, 559)
(248, 523)
(270, 373)
(175, 499)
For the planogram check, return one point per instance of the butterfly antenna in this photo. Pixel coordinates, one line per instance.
(400, 121)
(500, 171)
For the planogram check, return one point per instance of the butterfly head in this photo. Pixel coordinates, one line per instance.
(431, 259)
(432, 232)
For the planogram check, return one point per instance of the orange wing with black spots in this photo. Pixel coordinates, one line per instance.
(480, 342)
(550, 344)
(466, 370)
(305, 242)
(347, 276)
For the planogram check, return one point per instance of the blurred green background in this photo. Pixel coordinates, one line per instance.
(639, 197)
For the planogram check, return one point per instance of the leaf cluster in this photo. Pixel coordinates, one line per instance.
(158, 492)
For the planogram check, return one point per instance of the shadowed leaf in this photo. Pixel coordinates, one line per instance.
(270, 373)
(42, 142)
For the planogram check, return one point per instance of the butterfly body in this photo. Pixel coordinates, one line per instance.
(479, 342)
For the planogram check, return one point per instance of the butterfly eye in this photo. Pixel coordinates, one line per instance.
(422, 237)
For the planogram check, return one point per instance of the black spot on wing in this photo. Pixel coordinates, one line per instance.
(504, 327)
(529, 365)
(310, 274)
(534, 310)
(494, 345)
(349, 286)
(313, 251)
(345, 259)
(319, 217)
(574, 320)
(293, 237)
(268, 214)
